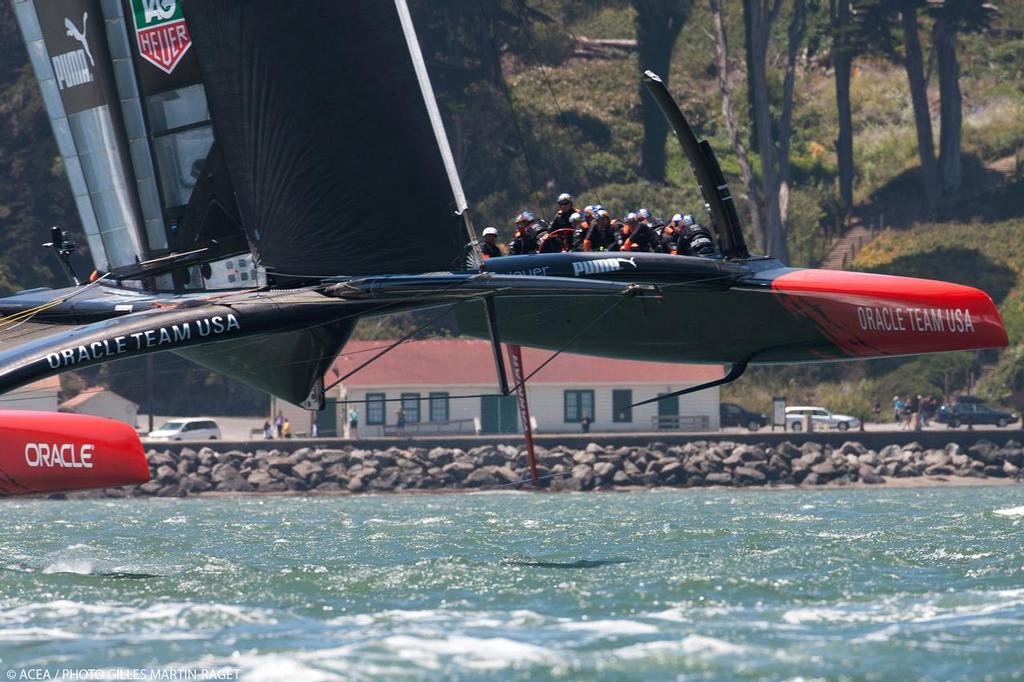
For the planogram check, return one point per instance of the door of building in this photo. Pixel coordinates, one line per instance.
(668, 413)
(327, 420)
(499, 414)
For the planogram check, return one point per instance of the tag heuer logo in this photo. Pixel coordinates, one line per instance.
(160, 32)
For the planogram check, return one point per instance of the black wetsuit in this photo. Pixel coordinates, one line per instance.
(526, 238)
(599, 236)
(561, 218)
(489, 250)
(696, 240)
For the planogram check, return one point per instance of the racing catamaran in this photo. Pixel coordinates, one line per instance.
(230, 161)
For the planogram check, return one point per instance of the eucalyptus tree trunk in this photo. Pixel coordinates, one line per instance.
(658, 23)
(842, 58)
(735, 140)
(922, 117)
(950, 108)
(775, 167)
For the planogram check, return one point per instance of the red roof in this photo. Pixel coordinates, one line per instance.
(446, 362)
(85, 396)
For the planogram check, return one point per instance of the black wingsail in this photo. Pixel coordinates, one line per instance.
(331, 136)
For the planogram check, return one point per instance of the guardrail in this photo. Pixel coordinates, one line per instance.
(681, 422)
(462, 426)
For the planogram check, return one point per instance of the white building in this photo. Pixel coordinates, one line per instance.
(100, 402)
(425, 378)
(40, 396)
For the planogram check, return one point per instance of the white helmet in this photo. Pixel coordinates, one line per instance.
(677, 218)
(575, 217)
(564, 197)
(490, 230)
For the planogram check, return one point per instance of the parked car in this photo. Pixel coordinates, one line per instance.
(731, 414)
(186, 429)
(822, 418)
(970, 411)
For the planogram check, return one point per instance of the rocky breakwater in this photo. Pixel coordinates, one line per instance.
(696, 464)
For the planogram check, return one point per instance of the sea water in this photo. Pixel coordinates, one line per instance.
(921, 584)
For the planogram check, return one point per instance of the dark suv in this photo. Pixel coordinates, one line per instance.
(970, 411)
(731, 414)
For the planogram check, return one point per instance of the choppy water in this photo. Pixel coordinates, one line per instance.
(861, 584)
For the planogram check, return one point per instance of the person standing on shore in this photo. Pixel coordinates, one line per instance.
(897, 409)
(353, 423)
(268, 430)
(585, 422)
(279, 422)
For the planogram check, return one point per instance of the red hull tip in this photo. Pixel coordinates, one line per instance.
(868, 315)
(44, 452)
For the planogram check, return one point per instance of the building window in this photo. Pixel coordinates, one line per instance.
(578, 403)
(622, 398)
(438, 407)
(411, 407)
(375, 408)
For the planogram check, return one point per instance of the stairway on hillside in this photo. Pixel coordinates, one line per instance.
(847, 248)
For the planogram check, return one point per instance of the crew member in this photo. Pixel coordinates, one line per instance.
(640, 236)
(565, 211)
(670, 235)
(490, 248)
(695, 239)
(527, 233)
(600, 236)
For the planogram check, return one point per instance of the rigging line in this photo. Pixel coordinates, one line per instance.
(23, 316)
(571, 341)
(508, 97)
(395, 344)
(554, 98)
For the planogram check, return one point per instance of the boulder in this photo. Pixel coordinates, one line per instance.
(868, 475)
(604, 471)
(594, 449)
(718, 479)
(585, 475)
(306, 470)
(852, 448)
(223, 472)
(748, 476)
(166, 474)
(235, 485)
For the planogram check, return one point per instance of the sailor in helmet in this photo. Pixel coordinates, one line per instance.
(565, 211)
(490, 248)
(695, 239)
(670, 235)
(641, 235)
(601, 235)
(528, 228)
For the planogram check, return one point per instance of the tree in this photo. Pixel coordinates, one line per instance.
(774, 134)
(953, 17)
(658, 23)
(725, 90)
(914, 65)
(843, 50)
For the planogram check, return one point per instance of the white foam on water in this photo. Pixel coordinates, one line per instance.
(1012, 511)
(612, 627)
(689, 645)
(35, 634)
(472, 652)
(77, 566)
(175, 520)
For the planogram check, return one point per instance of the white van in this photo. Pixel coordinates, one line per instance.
(186, 429)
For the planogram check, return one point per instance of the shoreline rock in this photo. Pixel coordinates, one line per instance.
(352, 470)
